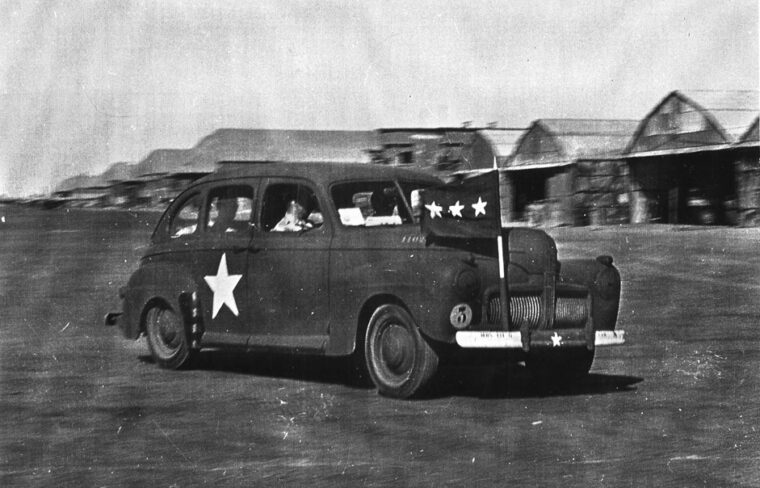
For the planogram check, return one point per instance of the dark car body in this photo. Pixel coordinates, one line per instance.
(355, 279)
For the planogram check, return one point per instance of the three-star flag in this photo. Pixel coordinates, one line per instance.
(465, 208)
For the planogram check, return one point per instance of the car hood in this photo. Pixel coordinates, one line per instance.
(529, 249)
(410, 238)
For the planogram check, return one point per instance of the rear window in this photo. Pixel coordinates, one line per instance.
(376, 203)
(290, 207)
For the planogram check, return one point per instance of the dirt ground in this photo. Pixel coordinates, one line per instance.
(81, 406)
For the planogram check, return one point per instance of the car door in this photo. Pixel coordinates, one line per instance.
(288, 271)
(217, 252)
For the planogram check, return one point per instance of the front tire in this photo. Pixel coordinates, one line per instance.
(167, 337)
(400, 361)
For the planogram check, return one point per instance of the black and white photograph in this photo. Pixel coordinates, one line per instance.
(379, 243)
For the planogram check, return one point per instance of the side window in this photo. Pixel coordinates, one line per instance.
(290, 207)
(185, 220)
(369, 204)
(229, 209)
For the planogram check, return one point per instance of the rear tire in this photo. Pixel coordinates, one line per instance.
(167, 337)
(400, 361)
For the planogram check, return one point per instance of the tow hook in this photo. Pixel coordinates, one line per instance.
(111, 318)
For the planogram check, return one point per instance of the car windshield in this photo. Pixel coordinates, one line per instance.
(377, 203)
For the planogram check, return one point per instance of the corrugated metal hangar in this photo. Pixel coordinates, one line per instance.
(692, 160)
(568, 172)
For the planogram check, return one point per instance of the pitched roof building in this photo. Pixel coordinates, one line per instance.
(691, 159)
(691, 121)
(163, 161)
(281, 145)
(567, 171)
(447, 150)
(497, 144)
(561, 142)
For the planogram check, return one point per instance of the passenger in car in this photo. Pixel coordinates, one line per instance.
(315, 218)
(185, 230)
(293, 221)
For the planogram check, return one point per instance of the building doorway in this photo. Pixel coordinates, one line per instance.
(692, 189)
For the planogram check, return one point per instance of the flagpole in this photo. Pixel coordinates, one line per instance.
(503, 292)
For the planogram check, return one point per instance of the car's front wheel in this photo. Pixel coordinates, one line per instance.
(400, 361)
(167, 338)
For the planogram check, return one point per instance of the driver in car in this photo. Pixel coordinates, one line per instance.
(227, 208)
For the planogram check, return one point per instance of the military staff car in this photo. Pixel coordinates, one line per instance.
(330, 259)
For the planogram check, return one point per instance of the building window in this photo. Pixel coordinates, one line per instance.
(405, 157)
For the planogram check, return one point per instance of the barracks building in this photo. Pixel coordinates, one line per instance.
(694, 158)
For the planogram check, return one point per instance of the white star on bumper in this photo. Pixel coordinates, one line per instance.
(223, 284)
(556, 340)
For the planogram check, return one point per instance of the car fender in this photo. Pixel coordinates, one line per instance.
(429, 306)
(347, 325)
(152, 281)
(603, 281)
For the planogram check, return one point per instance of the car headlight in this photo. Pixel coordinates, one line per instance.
(467, 284)
(607, 283)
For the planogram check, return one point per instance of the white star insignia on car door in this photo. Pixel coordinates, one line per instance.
(223, 284)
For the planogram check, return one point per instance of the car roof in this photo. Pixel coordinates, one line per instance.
(322, 173)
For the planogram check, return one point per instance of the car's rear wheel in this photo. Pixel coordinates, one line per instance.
(400, 361)
(551, 365)
(167, 337)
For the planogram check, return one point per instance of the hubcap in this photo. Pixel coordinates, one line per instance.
(167, 331)
(167, 334)
(396, 349)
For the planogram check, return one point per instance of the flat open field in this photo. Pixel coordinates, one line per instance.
(677, 406)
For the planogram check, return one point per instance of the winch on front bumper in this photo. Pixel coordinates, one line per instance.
(560, 317)
(576, 308)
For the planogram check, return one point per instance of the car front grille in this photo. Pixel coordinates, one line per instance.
(569, 313)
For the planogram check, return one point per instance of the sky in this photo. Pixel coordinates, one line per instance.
(85, 84)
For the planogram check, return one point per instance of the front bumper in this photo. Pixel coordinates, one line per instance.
(113, 318)
(540, 338)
